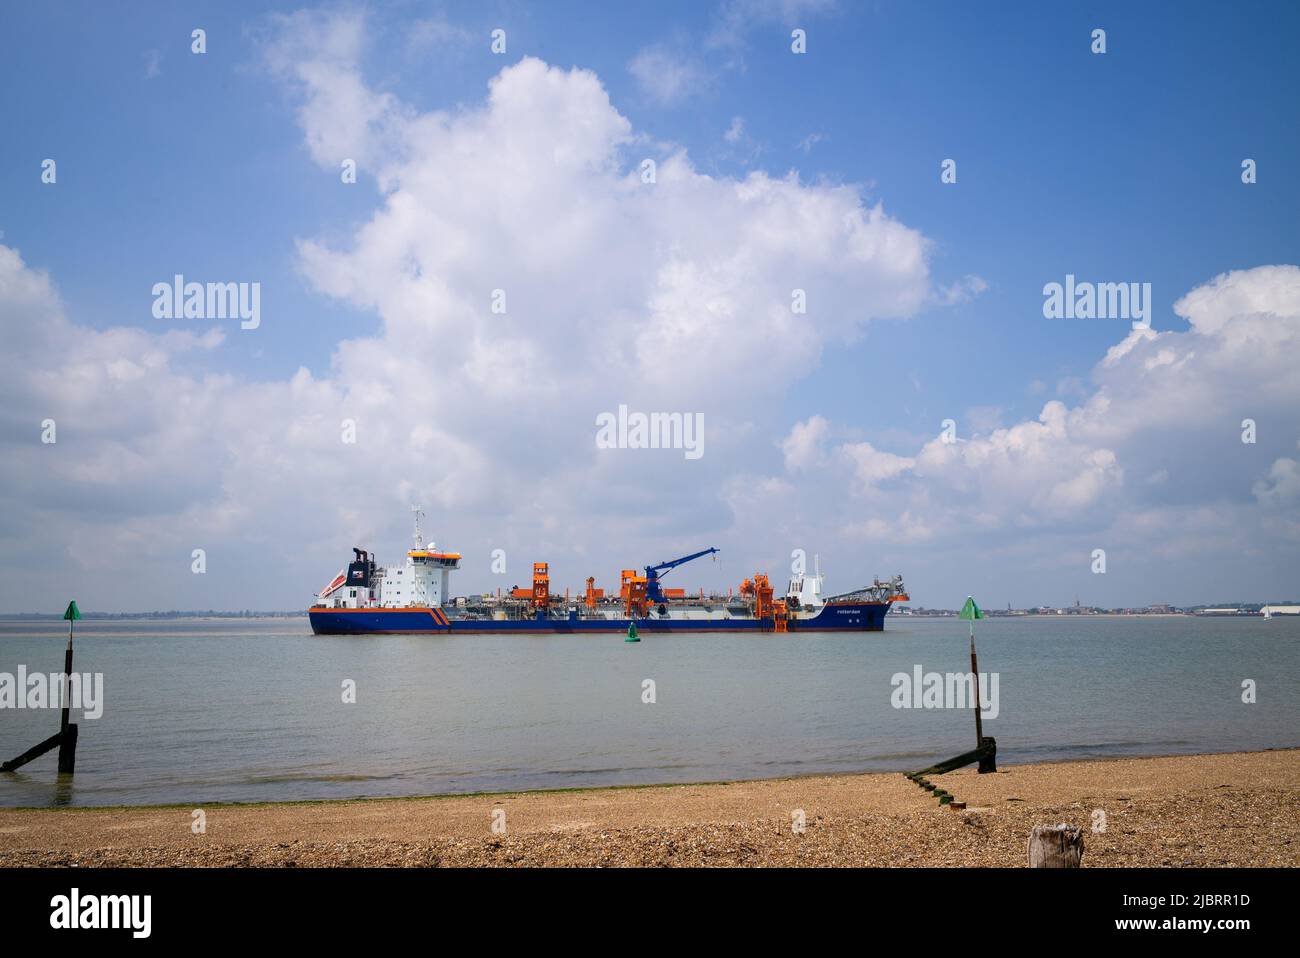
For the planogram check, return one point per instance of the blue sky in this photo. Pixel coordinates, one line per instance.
(1116, 167)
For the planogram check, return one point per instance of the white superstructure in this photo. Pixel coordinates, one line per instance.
(424, 582)
(805, 592)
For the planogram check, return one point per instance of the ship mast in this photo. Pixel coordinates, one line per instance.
(419, 539)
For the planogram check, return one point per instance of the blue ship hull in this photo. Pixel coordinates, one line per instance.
(834, 617)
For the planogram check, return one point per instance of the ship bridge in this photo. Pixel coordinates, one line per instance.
(426, 578)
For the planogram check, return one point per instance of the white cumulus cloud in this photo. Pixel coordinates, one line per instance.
(666, 297)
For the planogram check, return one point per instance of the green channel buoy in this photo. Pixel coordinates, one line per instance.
(631, 633)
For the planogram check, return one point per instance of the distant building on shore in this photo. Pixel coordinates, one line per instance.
(1157, 608)
(1271, 610)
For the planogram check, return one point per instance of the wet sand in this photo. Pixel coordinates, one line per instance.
(1234, 809)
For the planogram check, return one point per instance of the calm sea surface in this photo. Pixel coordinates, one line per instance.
(251, 710)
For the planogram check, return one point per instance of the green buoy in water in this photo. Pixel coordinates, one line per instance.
(631, 633)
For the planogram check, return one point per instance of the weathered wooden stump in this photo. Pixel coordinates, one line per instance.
(1055, 846)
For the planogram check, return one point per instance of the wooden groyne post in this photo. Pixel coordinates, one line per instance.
(986, 748)
(1055, 846)
(988, 759)
(987, 752)
(66, 738)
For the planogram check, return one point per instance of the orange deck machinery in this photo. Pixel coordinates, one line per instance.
(633, 593)
(540, 593)
(765, 607)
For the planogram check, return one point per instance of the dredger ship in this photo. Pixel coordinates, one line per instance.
(365, 598)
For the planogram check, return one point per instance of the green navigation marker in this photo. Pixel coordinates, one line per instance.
(73, 612)
(970, 612)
